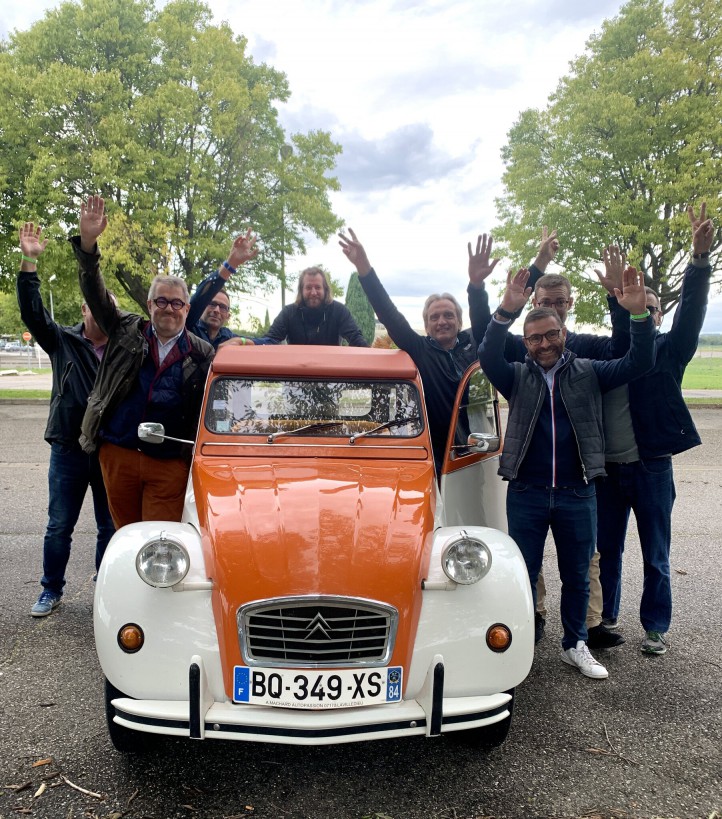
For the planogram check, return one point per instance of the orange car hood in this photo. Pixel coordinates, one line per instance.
(314, 526)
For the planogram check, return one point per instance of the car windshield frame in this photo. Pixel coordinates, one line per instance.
(270, 408)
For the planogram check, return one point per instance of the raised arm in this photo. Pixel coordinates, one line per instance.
(93, 221)
(491, 351)
(640, 357)
(401, 332)
(32, 311)
(481, 267)
(689, 315)
(242, 250)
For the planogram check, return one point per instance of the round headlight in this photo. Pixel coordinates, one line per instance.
(465, 559)
(162, 562)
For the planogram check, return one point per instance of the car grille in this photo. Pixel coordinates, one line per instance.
(317, 631)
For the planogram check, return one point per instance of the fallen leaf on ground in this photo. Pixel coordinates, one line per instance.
(42, 762)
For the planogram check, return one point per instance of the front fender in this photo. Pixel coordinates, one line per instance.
(176, 624)
(454, 620)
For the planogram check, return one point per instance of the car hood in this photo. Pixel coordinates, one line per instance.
(315, 526)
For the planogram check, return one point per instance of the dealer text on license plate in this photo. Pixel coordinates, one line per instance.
(311, 688)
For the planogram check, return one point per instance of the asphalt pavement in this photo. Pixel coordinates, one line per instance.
(647, 742)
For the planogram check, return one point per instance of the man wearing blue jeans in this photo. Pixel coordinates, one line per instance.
(75, 353)
(554, 447)
(645, 424)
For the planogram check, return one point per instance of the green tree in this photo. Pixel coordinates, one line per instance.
(632, 135)
(360, 308)
(166, 116)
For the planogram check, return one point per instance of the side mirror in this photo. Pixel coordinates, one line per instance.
(483, 442)
(151, 432)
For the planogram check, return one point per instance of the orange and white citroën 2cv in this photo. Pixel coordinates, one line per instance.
(323, 586)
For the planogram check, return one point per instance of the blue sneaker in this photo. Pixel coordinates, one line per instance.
(47, 601)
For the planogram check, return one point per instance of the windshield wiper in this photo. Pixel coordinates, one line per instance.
(308, 428)
(395, 423)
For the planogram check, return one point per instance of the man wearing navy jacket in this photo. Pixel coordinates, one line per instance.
(75, 354)
(645, 424)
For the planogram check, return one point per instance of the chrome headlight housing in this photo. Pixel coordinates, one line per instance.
(465, 559)
(162, 561)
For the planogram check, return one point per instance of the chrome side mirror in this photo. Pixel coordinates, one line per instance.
(483, 442)
(151, 432)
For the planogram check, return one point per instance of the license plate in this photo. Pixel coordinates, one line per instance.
(293, 688)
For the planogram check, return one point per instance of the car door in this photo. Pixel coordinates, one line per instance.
(471, 492)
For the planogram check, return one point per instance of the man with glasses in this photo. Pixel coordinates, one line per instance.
(210, 306)
(554, 291)
(644, 425)
(151, 371)
(554, 445)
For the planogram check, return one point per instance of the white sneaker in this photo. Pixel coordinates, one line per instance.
(583, 660)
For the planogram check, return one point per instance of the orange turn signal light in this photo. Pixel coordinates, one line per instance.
(498, 637)
(131, 638)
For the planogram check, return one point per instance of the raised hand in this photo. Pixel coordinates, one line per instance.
(354, 252)
(614, 263)
(243, 249)
(93, 222)
(31, 243)
(548, 248)
(702, 229)
(517, 293)
(632, 297)
(479, 266)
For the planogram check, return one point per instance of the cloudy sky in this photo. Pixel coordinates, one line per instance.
(421, 95)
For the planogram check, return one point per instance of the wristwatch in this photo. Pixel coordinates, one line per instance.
(500, 311)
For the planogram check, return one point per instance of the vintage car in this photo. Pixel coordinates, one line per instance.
(324, 585)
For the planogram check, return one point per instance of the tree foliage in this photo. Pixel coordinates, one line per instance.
(360, 308)
(166, 116)
(632, 135)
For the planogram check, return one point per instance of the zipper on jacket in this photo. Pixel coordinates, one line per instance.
(525, 445)
(576, 438)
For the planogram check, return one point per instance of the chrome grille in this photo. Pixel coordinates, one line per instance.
(317, 631)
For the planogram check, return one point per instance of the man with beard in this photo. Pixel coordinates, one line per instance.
(314, 317)
(554, 444)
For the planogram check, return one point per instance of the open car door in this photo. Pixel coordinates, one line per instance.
(471, 491)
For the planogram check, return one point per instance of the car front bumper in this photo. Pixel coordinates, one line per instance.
(199, 717)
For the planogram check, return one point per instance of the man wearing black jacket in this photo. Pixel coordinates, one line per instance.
(75, 353)
(314, 317)
(442, 355)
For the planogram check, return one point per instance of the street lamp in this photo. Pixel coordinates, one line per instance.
(286, 150)
(52, 309)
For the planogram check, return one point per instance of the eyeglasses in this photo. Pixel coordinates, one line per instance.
(652, 309)
(536, 339)
(223, 308)
(560, 303)
(161, 303)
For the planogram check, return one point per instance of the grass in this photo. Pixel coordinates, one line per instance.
(703, 374)
(26, 394)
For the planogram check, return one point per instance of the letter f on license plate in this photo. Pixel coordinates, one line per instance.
(293, 688)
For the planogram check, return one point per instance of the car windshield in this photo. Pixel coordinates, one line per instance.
(335, 409)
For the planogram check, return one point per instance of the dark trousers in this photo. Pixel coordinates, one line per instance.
(571, 514)
(645, 487)
(70, 473)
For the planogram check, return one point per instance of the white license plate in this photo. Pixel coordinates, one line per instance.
(311, 688)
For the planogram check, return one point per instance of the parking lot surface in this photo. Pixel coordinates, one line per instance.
(647, 742)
